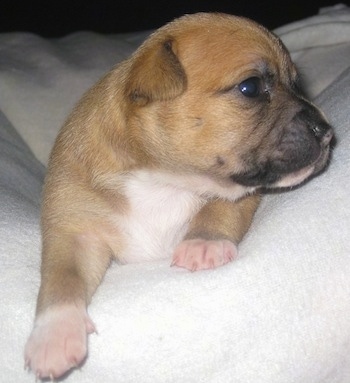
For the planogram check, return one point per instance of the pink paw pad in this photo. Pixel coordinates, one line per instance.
(58, 341)
(200, 254)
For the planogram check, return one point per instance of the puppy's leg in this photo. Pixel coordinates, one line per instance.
(214, 234)
(72, 268)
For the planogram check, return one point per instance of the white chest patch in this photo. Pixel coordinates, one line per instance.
(158, 217)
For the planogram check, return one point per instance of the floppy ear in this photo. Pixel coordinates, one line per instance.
(156, 75)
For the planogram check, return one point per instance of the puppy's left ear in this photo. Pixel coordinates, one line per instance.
(156, 75)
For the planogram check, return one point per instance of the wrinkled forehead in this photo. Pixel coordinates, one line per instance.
(231, 51)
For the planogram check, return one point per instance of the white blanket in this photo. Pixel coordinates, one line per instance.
(278, 314)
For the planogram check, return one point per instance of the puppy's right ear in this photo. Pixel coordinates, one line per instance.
(156, 75)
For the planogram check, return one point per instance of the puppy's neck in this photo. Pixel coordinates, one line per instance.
(201, 188)
(160, 207)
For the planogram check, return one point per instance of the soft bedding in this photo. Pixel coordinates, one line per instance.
(278, 314)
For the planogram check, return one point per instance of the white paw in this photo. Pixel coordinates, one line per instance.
(58, 341)
(200, 254)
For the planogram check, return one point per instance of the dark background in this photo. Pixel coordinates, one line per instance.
(58, 18)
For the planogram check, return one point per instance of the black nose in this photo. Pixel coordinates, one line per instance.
(321, 130)
(314, 121)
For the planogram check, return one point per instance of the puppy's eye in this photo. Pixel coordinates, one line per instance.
(251, 87)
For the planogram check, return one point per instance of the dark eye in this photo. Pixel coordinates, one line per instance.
(251, 87)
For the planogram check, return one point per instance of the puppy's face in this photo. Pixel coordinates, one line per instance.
(218, 95)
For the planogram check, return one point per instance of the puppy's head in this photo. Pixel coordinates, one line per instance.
(219, 96)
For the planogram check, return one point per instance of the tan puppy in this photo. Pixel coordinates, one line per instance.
(161, 159)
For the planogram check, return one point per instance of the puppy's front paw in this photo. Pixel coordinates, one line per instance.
(58, 341)
(200, 254)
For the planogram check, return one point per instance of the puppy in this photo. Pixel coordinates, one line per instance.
(165, 157)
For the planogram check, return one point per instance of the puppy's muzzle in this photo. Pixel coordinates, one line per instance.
(303, 142)
(305, 139)
(315, 122)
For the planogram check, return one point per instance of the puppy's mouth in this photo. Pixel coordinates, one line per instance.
(294, 179)
(273, 176)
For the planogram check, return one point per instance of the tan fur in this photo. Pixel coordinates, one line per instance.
(172, 108)
(102, 138)
(226, 219)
